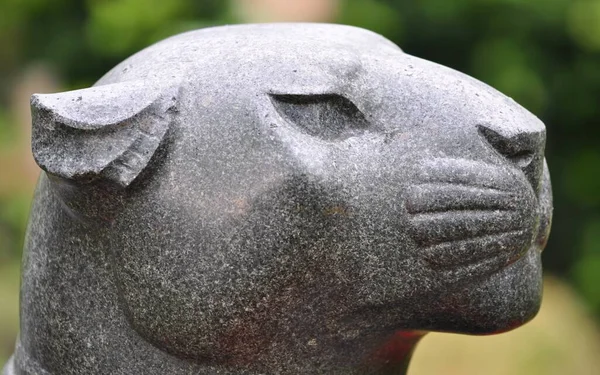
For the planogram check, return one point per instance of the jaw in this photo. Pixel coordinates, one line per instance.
(478, 304)
(500, 302)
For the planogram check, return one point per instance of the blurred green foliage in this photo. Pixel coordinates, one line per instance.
(543, 53)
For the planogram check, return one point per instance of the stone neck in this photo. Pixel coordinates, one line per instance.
(392, 357)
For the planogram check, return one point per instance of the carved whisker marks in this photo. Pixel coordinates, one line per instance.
(437, 227)
(473, 188)
(449, 254)
(450, 197)
(460, 216)
(455, 215)
(468, 173)
(459, 164)
(491, 237)
(432, 214)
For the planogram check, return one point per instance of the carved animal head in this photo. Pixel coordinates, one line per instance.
(261, 183)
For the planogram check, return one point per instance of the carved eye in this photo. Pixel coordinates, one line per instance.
(327, 116)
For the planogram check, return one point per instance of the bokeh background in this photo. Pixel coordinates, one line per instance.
(543, 53)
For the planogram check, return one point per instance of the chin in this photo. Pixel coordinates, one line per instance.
(497, 303)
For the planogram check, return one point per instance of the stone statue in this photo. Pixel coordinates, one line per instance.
(276, 199)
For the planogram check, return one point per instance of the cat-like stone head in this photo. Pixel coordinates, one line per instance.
(269, 182)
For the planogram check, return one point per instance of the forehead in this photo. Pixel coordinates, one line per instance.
(242, 60)
(285, 38)
(312, 51)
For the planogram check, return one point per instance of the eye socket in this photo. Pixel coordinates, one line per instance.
(328, 116)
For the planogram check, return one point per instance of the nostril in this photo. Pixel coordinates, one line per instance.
(523, 150)
(519, 149)
(522, 158)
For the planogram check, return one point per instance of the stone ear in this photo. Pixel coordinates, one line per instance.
(105, 132)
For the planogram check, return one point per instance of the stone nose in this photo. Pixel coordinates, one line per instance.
(525, 150)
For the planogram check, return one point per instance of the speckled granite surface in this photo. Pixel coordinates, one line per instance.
(276, 199)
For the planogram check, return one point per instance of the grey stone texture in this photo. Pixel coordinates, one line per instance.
(276, 199)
